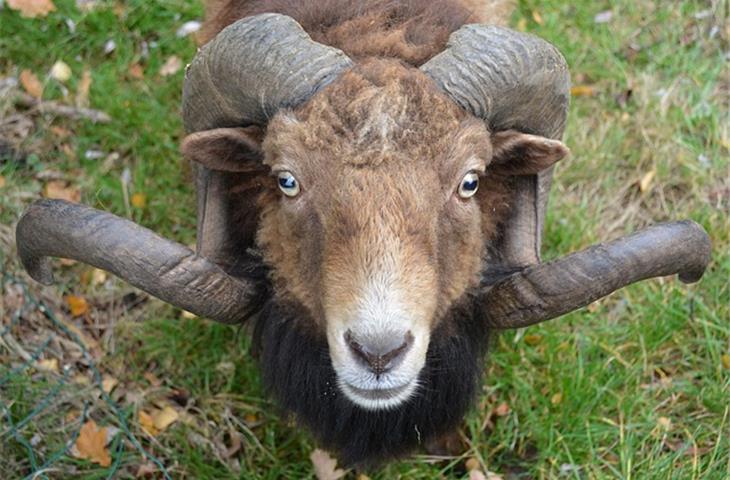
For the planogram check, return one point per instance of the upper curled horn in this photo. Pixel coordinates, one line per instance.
(511, 80)
(253, 68)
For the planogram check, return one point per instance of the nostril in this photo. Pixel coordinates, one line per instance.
(379, 354)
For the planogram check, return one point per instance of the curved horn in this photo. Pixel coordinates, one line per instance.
(160, 267)
(253, 68)
(512, 80)
(546, 291)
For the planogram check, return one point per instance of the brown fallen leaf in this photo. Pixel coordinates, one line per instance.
(325, 467)
(48, 365)
(59, 189)
(91, 444)
(502, 410)
(77, 305)
(82, 90)
(136, 71)
(31, 84)
(472, 464)
(2, 181)
(582, 91)
(108, 383)
(172, 65)
(152, 378)
(32, 8)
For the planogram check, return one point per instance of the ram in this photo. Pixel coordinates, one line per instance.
(372, 183)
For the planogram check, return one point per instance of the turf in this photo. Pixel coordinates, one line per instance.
(635, 386)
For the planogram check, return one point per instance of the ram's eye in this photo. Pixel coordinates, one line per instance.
(469, 185)
(288, 184)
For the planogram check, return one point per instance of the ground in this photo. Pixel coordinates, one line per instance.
(634, 386)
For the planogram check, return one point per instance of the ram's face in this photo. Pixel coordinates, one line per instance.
(374, 227)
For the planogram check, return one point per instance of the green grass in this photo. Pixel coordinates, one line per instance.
(633, 387)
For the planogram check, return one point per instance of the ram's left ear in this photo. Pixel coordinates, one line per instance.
(517, 153)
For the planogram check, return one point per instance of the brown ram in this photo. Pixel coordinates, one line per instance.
(372, 184)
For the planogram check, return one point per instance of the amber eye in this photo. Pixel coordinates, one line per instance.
(469, 185)
(288, 184)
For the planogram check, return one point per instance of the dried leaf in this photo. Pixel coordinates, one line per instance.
(725, 359)
(472, 464)
(135, 71)
(60, 132)
(152, 378)
(77, 305)
(60, 71)
(502, 410)
(476, 475)
(139, 200)
(82, 90)
(164, 418)
(582, 91)
(533, 339)
(2, 181)
(522, 24)
(665, 423)
(188, 315)
(108, 383)
(646, 179)
(31, 84)
(171, 66)
(99, 276)
(59, 189)
(556, 398)
(147, 423)
(537, 17)
(32, 8)
(48, 365)
(325, 467)
(91, 444)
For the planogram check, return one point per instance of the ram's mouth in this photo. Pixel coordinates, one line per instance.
(379, 398)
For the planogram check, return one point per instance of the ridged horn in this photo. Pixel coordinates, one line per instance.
(160, 267)
(546, 291)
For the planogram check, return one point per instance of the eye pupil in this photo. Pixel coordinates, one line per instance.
(469, 185)
(288, 184)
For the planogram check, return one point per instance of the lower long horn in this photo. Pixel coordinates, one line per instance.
(548, 290)
(160, 267)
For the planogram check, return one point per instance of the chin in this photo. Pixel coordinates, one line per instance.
(366, 423)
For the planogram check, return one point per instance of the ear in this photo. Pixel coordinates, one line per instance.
(225, 149)
(517, 153)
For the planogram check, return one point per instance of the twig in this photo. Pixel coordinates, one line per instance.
(56, 108)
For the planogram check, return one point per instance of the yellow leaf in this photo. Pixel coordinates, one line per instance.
(186, 314)
(49, 365)
(522, 24)
(32, 8)
(664, 422)
(582, 90)
(533, 339)
(77, 305)
(82, 90)
(725, 360)
(139, 200)
(2, 181)
(556, 399)
(645, 181)
(171, 66)
(31, 84)
(91, 444)
(536, 16)
(98, 276)
(164, 418)
(61, 190)
(147, 423)
(325, 467)
(61, 71)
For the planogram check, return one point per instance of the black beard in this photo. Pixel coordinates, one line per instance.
(298, 374)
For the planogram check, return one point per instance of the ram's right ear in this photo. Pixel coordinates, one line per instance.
(226, 149)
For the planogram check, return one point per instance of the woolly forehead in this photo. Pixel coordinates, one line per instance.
(378, 112)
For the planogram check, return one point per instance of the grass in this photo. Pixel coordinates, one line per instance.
(632, 387)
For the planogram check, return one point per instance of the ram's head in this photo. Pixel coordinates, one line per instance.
(396, 210)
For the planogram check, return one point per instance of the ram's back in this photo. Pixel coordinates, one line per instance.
(410, 30)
